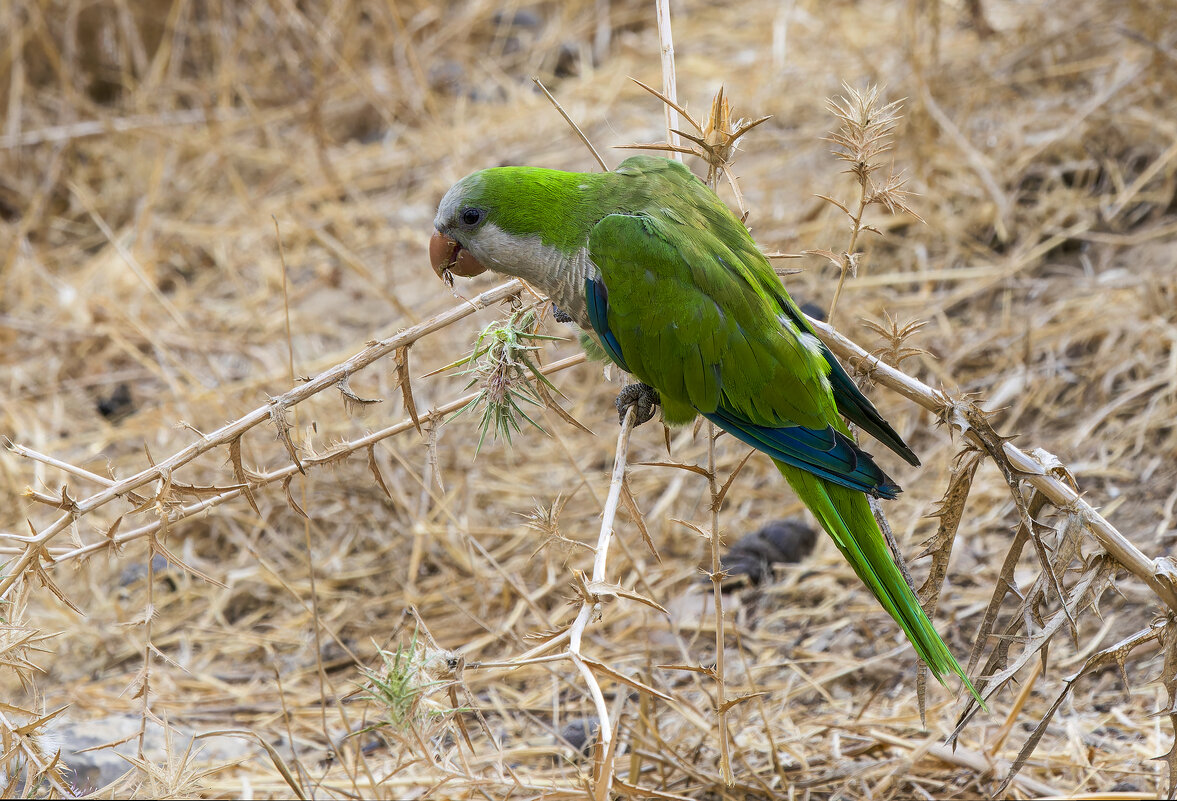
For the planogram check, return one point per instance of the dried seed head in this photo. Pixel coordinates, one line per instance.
(720, 135)
(867, 125)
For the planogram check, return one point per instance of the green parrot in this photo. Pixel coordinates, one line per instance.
(659, 273)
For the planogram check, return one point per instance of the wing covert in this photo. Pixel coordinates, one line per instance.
(690, 316)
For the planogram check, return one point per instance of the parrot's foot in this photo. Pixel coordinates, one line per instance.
(560, 315)
(642, 398)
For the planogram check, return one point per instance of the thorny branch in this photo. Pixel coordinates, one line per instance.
(115, 539)
(1154, 573)
(228, 434)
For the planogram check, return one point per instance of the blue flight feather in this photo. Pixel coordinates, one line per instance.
(824, 452)
(598, 313)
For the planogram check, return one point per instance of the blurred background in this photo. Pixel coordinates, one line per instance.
(203, 202)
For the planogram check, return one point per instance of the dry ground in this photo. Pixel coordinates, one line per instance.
(199, 201)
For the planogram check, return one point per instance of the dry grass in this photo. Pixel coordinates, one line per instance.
(201, 204)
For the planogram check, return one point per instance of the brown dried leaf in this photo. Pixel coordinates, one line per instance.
(401, 361)
(706, 671)
(638, 518)
(950, 511)
(739, 699)
(976, 419)
(837, 203)
(32, 726)
(1093, 582)
(608, 588)
(545, 395)
(239, 473)
(719, 496)
(692, 526)
(662, 146)
(157, 546)
(694, 468)
(350, 397)
(833, 258)
(1005, 583)
(278, 418)
(376, 474)
(670, 103)
(46, 582)
(205, 492)
(290, 498)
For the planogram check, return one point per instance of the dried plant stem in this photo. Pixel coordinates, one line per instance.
(1057, 492)
(1015, 710)
(669, 82)
(227, 434)
(65, 467)
(37, 762)
(604, 776)
(316, 620)
(847, 258)
(144, 682)
(574, 126)
(725, 759)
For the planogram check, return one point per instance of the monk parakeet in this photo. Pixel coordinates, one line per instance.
(655, 268)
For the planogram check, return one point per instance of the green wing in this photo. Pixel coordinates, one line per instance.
(688, 315)
(688, 324)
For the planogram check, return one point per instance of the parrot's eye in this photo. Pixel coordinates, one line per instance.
(471, 216)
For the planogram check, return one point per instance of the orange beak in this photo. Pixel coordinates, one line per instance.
(447, 256)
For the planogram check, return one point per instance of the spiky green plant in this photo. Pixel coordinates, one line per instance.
(502, 363)
(399, 683)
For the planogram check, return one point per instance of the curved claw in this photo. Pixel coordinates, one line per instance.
(642, 397)
(559, 315)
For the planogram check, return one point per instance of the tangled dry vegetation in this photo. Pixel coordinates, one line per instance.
(234, 506)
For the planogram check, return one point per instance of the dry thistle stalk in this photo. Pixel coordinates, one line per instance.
(546, 520)
(862, 140)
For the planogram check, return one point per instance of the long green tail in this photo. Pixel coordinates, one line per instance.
(846, 516)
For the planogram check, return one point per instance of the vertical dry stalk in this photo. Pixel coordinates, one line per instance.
(590, 603)
(721, 706)
(144, 688)
(669, 84)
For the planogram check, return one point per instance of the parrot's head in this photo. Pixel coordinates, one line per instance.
(518, 221)
(462, 218)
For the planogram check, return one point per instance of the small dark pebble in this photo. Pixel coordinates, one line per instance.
(782, 541)
(118, 404)
(581, 733)
(524, 18)
(138, 571)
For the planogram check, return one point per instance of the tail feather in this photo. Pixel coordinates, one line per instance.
(846, 516)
